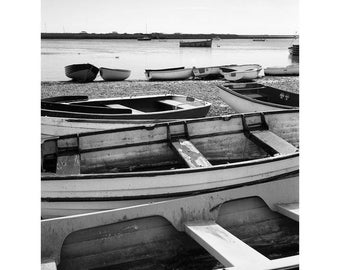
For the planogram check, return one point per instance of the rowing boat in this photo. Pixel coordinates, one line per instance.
(168, 74)
(291, 70)
(208, 72)
(110, 169)
(127, 108)
(82, 73)
(254, 226)
(109, 74)
(255, 97)
(200, 43)
(241, 72)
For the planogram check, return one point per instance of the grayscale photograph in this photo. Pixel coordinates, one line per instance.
(169, 134)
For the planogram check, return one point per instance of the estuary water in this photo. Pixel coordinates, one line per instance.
(140, 55)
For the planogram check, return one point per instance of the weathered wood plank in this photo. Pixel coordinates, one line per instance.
(68, 164)
(50, 265)
(190, 154)
(290, 210)
(224, 246)
(271, 142)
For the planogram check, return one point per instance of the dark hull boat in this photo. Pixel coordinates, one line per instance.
(201, 43)
(128, 108)
(255, 97)
(109, 169)
(250, 226)
(82, 73)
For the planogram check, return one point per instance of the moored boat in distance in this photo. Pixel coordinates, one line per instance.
(109, 74)
(168, 74)
(109, 169)
(200, 43)
(82, 73)
(254, 226)
(144, 38)
(128, 108)
(255, 97)
(259, 39)
(241, 72)
(291, 70)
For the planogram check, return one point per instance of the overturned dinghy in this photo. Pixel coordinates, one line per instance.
(255, 97)
(254, 226)
(126, 108)
(82, 73)
(291, 70)
(168, 74)
(109, 74)
(95, 171)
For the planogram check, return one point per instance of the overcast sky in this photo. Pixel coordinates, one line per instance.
(170, 16)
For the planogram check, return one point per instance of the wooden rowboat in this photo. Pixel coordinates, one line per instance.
(208, 72)
(82, 73)
(291, 70)
(200, 43)
(255, 226)
(128, 108)
(109, 74)
(109, 169)
(240, 73)
(168, 74)
(255, 97)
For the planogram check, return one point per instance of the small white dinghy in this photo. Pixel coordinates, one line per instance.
(109, 74)
(246, 75)
(169, 74)
(291, 70)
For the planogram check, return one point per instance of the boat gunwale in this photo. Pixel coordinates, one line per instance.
(226, 117)
(164, 69)
(279, 106)
(92, 176)
(173, 194)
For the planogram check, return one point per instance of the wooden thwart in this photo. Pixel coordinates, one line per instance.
(189, 153)
(51, 265)
(290, 210)
(225, 247)
(271, 143)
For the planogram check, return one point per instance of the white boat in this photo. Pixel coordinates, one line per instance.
(241, 72)
(208, 72)
(109, 169)
(254, 226)
(169, 74)
(255, 97)
(291, 70)
(109, 74)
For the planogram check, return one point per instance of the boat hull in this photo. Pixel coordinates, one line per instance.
(107, 158)
(244, 104)
(202, 43)
(169, 75)
(153, 235)
(82, 73)
(291, 70)
(241, 75)
(114, 74)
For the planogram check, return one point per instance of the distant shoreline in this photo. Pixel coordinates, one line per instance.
(158, 36)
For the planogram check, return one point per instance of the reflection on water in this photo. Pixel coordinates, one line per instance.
(138, 56)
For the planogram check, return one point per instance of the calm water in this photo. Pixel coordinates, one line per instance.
(139, 55)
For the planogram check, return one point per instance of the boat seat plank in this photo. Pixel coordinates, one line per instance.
(175, 103)
(190, 154)
(272, 143)
(68, 164)
(119, 106)
(225, 247)
(48, 265)
(290, 210)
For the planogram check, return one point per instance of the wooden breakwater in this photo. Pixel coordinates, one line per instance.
(84, 35)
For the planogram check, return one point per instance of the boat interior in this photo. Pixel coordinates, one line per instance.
(265, 93)
(125, 105)
(173, 145)
(153, 243)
